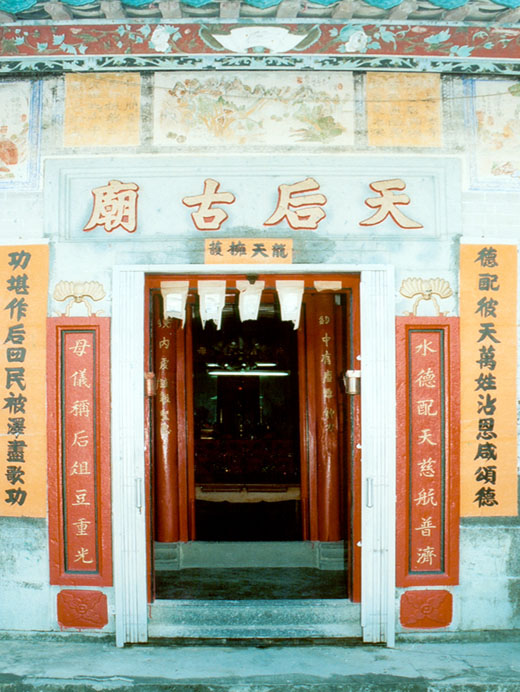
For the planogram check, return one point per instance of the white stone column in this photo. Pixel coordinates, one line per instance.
(378, 441)
(128, 486)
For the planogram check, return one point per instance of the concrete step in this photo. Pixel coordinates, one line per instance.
(272, 619)
(173, 556)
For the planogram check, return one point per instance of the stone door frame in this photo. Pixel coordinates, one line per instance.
(378, 437)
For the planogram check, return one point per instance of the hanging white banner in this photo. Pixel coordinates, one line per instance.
(290, 294)
(212, 298)
(174, 295)
(249, 297)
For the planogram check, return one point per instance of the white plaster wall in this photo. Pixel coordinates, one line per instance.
(489, 593)
(24, 575)
(21, 216)
(488, 597)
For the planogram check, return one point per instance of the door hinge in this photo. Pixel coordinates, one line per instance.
(352, 382)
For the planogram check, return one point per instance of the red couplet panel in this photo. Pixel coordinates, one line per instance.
(79, 451)
(427, 451)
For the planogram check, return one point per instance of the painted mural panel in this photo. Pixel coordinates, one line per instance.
(102, 110)
(488, 275)
(404, 110)
(23, 287)
(275, 109)
(19, 133)
(493, 117)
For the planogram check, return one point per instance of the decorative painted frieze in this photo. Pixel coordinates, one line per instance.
(357, 45)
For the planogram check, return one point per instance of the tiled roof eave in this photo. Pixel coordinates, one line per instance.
(83, 11)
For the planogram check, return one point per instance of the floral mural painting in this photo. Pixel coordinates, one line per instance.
(244, 109)
(19, 133)
(495, 126)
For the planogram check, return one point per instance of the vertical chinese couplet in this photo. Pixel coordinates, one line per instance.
(489, 343)
(22, 425)
(427, 450)
(427, 437)
(79, 450)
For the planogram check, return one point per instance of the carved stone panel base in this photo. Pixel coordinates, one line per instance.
(426, 609)
(82, 609)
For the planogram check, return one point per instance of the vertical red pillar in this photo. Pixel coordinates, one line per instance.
(165, 426)
(322, 390)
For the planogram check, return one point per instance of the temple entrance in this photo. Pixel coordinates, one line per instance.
(252, 454)
(246, 428)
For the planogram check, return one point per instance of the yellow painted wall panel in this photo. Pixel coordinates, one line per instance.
(102, 110)
(24, 273)
(403, 109)
(488, 338)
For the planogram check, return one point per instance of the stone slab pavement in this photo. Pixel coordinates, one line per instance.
(58, 663)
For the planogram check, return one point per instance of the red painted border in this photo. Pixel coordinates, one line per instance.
(450, 574)
(58, 573)
(184, 37)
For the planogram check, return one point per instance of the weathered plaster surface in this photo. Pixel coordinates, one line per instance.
(489, 593)
(24, 575)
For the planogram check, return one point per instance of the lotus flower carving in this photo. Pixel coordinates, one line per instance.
(79, 292)
(425, 289)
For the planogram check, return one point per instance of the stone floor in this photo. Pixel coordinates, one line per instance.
(251, 583)
(60, 664)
